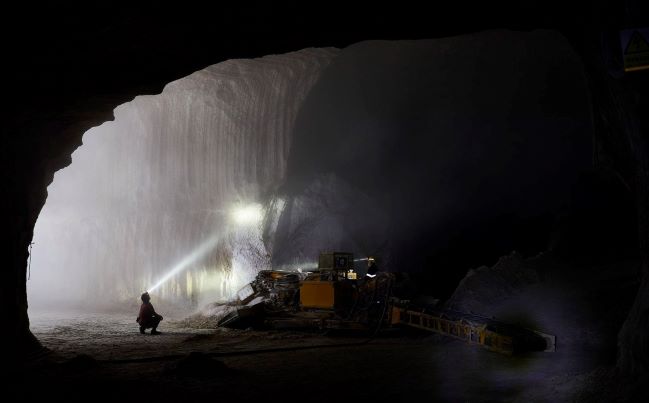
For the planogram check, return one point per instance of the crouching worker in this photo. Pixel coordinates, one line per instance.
(148, 318)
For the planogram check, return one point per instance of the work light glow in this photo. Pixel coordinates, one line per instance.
(247, 215)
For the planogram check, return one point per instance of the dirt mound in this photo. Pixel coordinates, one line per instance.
(489, 285)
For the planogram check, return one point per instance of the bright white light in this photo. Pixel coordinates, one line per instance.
(197, 253)
(247, 215)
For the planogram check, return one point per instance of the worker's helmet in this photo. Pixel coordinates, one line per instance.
(145, 297)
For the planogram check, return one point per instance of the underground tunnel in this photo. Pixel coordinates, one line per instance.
(471, 168)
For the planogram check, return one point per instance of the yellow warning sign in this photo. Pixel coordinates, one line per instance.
(635, 45)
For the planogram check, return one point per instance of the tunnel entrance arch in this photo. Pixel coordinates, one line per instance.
(170, 196)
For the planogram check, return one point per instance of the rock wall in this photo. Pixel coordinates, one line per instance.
(146, 190)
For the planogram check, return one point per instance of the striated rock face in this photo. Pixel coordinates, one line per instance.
(403, 150)
(148, 189)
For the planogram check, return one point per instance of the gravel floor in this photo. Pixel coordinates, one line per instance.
(106, 352)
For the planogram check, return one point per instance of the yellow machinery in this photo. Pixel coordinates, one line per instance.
(317, 294)
(332, 288)
(332, 298)
(331, 284)
(474, 329)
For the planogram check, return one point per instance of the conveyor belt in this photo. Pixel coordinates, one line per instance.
(474, 329)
